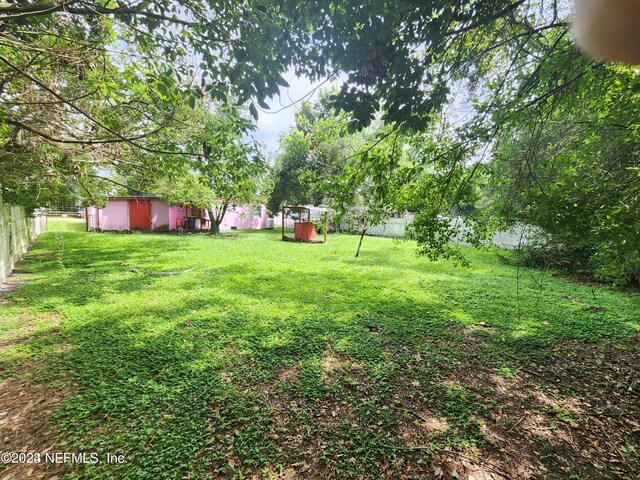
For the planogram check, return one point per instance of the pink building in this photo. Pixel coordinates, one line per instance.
(245, 217)
(147, 212)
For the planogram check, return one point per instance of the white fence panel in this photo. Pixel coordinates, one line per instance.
(17, 232)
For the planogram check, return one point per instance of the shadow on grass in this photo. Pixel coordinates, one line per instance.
(188, 397)
(236, 367)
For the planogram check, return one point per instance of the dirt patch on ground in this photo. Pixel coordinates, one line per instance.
(336, 366)
(25, 408)
(574, 416)
(29, 328)
(26, 405)
(288, 374)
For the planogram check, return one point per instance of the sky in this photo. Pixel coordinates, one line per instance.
(272, 125)
(277, 121)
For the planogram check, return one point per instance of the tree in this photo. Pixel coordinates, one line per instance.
(186, 189)
(65, 105)
(93, 85)
(576, 175)
(364, 177)
(321, 162)
(308, 155)
(388, 49)
(227, 168)
(289, 169)
(400, 59)
(403, 62)
(367, 207)
(367, 189)
(231, 164)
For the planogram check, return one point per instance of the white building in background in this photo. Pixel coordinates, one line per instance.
(396, 225)
(509, 239)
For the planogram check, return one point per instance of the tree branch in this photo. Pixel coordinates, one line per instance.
(498, 15)
(76, 141)
(110, 180)
(121, 138)
(12, 11)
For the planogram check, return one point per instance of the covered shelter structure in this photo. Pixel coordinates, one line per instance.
(304, 229)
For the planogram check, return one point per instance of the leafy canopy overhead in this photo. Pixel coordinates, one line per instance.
(400, 57)
(88, 84)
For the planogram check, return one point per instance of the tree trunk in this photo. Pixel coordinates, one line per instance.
(213, 228)
(217, 218)
(364, 230)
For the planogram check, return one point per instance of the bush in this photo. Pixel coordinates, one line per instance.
(590, 262)
(319, 226)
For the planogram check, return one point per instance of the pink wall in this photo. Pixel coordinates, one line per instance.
(243, 218)
(160, 216)
(174, 214)
(115, 215)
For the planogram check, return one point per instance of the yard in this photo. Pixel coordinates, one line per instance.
(246, 357)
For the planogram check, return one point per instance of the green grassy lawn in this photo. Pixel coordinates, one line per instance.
(71, 224)
(280, 360)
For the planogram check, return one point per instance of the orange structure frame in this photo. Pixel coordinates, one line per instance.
(303, 231)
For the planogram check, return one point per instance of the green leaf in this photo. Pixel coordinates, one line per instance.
(253, 110)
